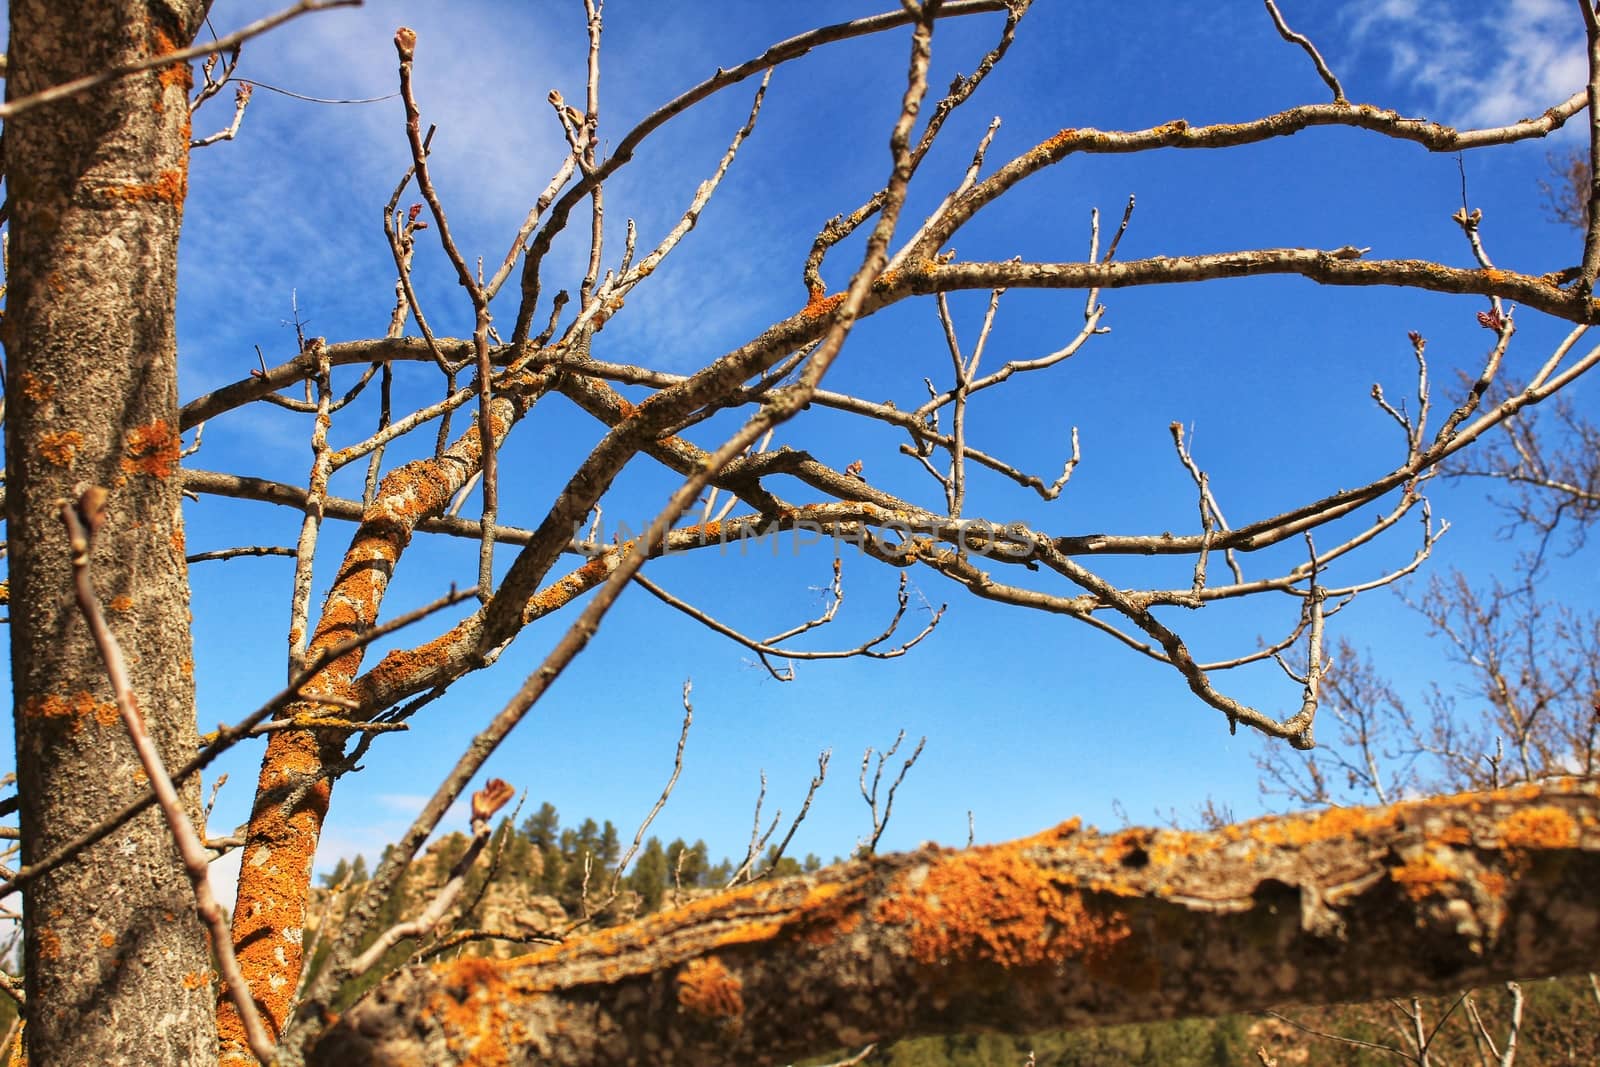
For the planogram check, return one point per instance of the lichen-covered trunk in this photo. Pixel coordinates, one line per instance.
(1065, 929)
(117, 964)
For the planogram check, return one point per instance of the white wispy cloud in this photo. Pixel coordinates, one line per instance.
(1476, 64)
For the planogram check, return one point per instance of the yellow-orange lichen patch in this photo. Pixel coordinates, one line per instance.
(35, 388)
(560, 593)
(1333, 824)
(995, 906)
(49, 944)
(175, 76)
(707, 989)
(74, 710)
(196, 979)
(473, 1011)
(121, 604)
(59, 449)
(1542, 827)
(170, 187)
(1422, 876)
(107, 940)
(822, 306)
(1060, 139)
(152, 450)
(707, 531)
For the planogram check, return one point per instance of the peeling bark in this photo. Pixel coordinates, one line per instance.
(1069, 928)
(117, 964)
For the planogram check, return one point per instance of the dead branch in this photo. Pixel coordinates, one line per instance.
(1072, 925)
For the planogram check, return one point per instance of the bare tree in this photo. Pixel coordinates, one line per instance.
(877, 947)
(1566, 190)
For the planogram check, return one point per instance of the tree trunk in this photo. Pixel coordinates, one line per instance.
(118, 969)
(1065, 929)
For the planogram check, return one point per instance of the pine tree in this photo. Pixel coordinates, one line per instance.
(337, 876)
(543, 827)
(650, 875)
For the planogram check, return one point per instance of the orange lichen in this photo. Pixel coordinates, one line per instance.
(170, 187)
(121, 604)
(1335, 823)
(151, 450)
(1494, 884)
(472, 1005)
(995, 906)
(75, 710)
(707, 531)
(173, 76)
(1060, 139)
(273, 880)
(822, 306)
(49, 944)
(59, 449)
(1422, 876)
(706, 988)
(560, 593)
(1543, 827)
(35, 388)
(195, 979)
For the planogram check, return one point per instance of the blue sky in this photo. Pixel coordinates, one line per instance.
(1029, 719)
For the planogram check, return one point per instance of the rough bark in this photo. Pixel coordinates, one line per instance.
(117, 965)
(1067, 928)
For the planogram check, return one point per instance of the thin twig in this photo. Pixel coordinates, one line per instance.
(1311, 50)
(746, 869)
(241, 99)
(405, 42)
(311, 524)
(880, 822)
(661, 802)
(811, 791)
(241, 550)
